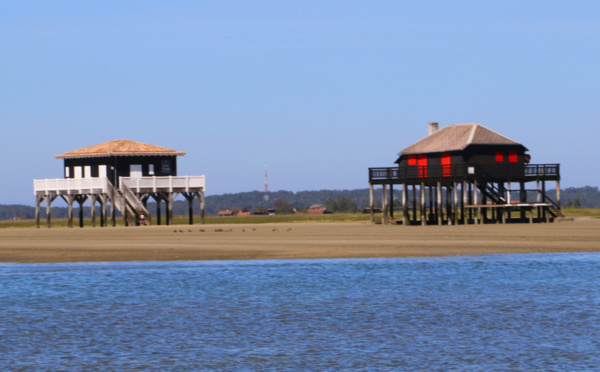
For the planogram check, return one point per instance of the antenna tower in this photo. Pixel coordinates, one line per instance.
(266, 184)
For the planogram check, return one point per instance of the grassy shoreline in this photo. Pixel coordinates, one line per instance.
(210, 220)
(286, 218)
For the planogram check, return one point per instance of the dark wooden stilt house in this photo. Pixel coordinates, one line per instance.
(465, 174)
(123, 174)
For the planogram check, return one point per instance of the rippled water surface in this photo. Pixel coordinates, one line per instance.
(509, 312)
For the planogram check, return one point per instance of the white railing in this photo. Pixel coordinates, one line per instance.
(70, 185)
(170, 183)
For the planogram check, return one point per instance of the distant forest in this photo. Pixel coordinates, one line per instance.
(334, 200)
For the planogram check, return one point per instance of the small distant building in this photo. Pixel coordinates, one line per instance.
(466, 171)
(225, 213)
(123, 174)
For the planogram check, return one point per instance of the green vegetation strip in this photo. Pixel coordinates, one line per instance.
(212, 220)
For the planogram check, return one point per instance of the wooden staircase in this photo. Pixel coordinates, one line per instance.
(486, 186)
(128, 204)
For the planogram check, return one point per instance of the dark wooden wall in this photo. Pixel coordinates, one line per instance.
(483, 156)
(119, 166)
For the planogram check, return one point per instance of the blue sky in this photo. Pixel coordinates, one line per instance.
(317, 90)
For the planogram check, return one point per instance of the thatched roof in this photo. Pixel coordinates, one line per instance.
(457, 137)
(119, 148)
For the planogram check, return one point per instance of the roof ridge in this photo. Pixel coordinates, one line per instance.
(120, 147)
(472, 134)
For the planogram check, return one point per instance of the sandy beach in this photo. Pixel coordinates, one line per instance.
(291, 240)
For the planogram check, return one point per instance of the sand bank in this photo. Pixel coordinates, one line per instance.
(290, 240)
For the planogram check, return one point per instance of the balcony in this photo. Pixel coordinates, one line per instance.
(451, 173)
(164, 184)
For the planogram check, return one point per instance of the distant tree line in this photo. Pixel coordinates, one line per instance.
(341, 201)
(580, 197)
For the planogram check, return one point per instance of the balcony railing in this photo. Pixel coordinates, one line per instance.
(539, 170)
(449, 172)
(170, 183)
(63, 186)
(70, 185)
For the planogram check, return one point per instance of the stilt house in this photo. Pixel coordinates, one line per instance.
(464, 174)
(123, 174)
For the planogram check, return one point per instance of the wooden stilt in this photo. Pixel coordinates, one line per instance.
(430, 216)
(531, 215)
(558, 194)
(69, 199)
(391, 202)
(125, 211)
(470, 192)
(404, 205)
(438, 209)
(449, 218)
(545, 214)
(49, 199)
(455, 204)
(423, 205)
(190, 196)
(522, 199)
(92, 198)
(414, 217)
(483, 210)
(539, 199)
(384, 204)
(170, 197)
(80, 202)
(371, 202)
(38, 201)
(113, 213)
(158, 200)
(476, 201)
(509, 200)
(202, 206)
(465, 196)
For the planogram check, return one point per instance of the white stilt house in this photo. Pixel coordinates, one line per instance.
(121, 174)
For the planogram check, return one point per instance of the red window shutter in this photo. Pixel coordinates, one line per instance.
(422, 164)
(499, 157)
(513, 157)
(412, 159)
(446, 164)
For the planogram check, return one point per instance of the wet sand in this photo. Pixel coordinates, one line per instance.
(291, 240)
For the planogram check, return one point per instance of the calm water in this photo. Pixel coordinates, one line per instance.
(509, 312)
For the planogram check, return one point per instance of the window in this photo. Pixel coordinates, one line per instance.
(166, 166)
(499, 157)
(513, 157)
(422, 164)
(412, 159)
(135, 170)
(446, 164)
